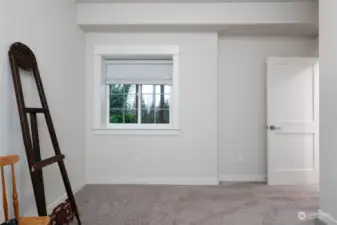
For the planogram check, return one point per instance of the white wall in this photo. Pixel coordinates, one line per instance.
(50, 29)
(187, 158)
(328, 109)
(241, 113)
(242, 101)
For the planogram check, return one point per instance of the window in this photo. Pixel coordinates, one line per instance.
(140, 86)
(138, 104)
(138, 91)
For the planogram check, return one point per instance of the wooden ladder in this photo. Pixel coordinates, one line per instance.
(22, 57)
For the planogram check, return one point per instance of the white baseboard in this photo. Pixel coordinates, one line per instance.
(326, 218)
(62, 198)
(59, 200)
(156, 181)
(243, 178)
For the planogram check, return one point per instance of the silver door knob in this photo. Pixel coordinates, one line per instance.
(273, 127)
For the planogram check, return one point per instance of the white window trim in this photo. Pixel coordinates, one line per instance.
(100, 125)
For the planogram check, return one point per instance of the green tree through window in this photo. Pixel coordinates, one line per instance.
(154, 102)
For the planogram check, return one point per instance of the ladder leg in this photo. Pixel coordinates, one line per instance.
(69, 190)
(37, 176)
(39, 194)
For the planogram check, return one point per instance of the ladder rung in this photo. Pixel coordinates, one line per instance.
(35, 110)
(40, 164)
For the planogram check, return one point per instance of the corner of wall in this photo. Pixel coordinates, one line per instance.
(326, 218)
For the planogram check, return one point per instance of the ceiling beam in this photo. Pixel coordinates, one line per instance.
(161, 14)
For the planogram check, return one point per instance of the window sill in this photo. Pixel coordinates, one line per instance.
(136, 131)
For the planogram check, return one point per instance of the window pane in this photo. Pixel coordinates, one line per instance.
(130, 89)
(130, 116)
(159, 89)
(130, 101)
(123, 116)
(147, 89)
(116, 116)
(123, 105)
(123, 101)
(163, 89)
(123, 89)
(147, 101)
(163, 101)
(147, 115)
(155, 106)
(117, 101)
(162, 116)
(116, 89)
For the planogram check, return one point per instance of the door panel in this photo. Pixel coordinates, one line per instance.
(296, 146)
(292, 107)
(293, 93)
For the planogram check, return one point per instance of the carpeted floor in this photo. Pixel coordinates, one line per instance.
(228, 204)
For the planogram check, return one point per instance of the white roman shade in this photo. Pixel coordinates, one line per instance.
(139, 71)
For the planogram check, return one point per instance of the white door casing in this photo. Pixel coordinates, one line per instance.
(293, 110)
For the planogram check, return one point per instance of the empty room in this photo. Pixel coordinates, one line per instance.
(168, 112)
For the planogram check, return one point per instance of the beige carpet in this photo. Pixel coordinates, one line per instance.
(230, 204)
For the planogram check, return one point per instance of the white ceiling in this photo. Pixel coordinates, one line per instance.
(204, 1)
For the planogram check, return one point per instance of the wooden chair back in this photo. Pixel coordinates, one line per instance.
(9, 160)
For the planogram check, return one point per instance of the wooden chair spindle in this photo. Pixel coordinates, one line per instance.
(4, 193)
(15, 194)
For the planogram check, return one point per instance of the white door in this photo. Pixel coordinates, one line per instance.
(293, 121)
